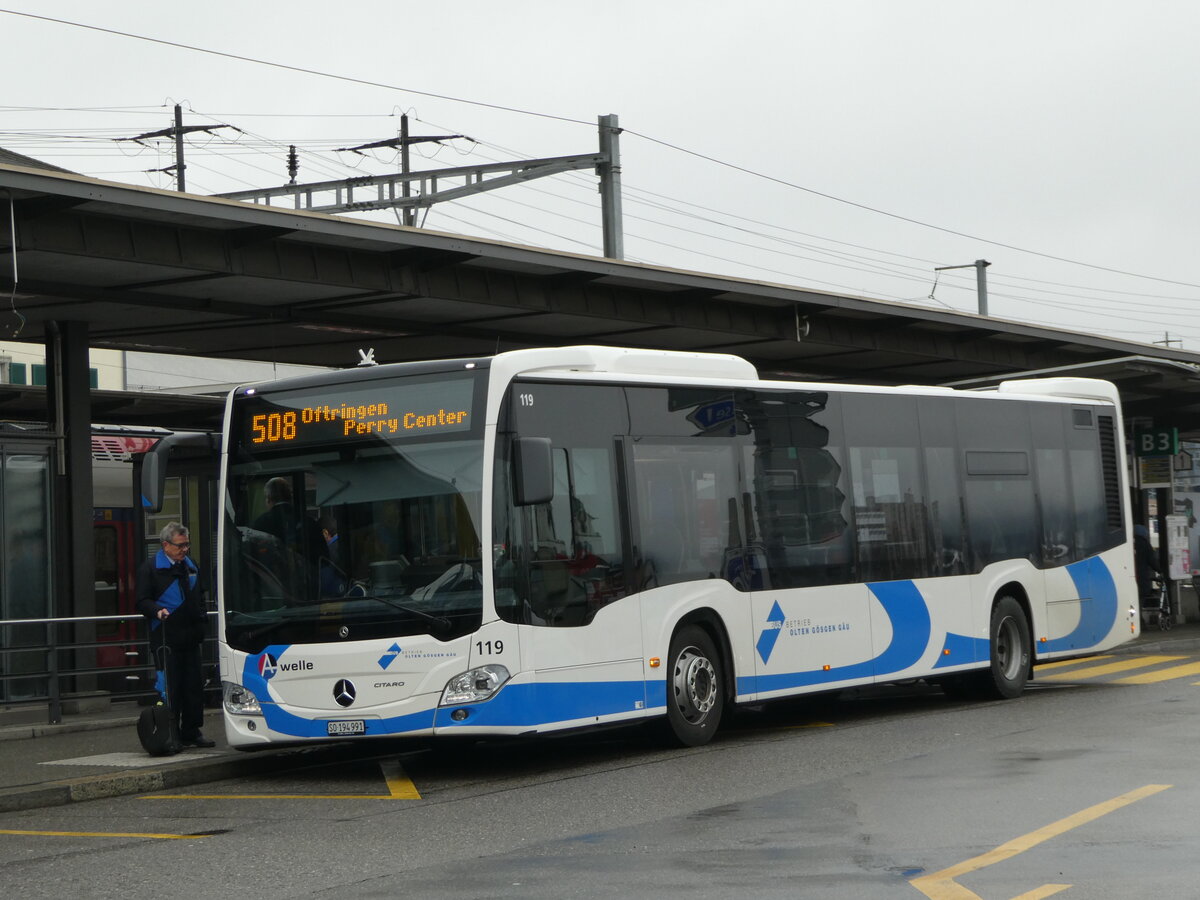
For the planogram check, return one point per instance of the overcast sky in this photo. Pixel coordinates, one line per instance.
(1065, 129)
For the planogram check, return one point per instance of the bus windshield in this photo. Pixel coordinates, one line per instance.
(353, 512)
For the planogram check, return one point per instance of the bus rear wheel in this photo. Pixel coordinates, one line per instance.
(1008, 667)
(695, 687)
(1009, 670)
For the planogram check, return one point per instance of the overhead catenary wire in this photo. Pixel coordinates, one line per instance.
(628, 131)
(873, 266)
(318, 162)
(632, 199)
(304, 70)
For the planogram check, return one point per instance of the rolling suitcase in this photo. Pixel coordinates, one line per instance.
(156, 726)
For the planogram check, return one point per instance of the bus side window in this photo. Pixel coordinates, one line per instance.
(1053, 484)
(939, 439)
(684, 491)
(998, 481)
(891, 514)
(574, 545)
(559, 563)
(1092, 533)
(797, 531)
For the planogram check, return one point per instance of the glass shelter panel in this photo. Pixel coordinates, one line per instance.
(25, 526)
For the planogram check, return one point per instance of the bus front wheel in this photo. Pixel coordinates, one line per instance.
(695, 687)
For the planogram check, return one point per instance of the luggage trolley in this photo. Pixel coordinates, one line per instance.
(1156, 606)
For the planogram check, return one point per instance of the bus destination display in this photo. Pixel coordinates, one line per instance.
(397, 410)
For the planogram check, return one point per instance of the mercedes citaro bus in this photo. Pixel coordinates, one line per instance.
(554, 539)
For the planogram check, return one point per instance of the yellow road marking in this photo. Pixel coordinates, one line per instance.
(1162, 674)
(268, 797)
(399, 785)
(942, 886)
(1058, 664)
(99, 834)
(1124, 665)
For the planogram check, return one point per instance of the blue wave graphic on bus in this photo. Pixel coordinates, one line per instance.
(283, 722)
(521, 705)
(543, 703)
(532, 705)
(1097, 590)
(911, 629)
(960, 649)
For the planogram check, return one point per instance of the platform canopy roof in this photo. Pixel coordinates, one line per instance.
(161, 271)
(140, 409)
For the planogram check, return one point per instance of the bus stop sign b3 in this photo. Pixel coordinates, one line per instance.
(1156, 442)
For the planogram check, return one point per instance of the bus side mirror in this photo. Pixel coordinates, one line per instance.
(154, 463)
(533, 471)
(154, 478)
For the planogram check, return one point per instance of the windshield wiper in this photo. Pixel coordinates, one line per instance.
(440, 621)
(248, 633)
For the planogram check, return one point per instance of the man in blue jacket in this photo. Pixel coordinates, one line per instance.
(169, 595)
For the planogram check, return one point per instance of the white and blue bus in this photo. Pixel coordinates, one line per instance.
(553, 539)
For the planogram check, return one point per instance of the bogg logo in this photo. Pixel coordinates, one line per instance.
(390, 656)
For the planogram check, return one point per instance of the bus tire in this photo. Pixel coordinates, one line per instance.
(695, 687)
(1009, 670)
(1008, 664)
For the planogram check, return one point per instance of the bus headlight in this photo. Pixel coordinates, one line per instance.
(238, 700)
(474, 685)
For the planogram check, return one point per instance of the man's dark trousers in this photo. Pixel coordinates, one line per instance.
(185, 689)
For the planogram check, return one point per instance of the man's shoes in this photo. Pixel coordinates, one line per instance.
(198, 741)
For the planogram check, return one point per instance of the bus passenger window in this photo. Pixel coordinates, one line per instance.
(684, 490)
(797, 531)
(568, 564)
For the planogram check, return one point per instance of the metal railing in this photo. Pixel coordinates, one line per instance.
(64, 665)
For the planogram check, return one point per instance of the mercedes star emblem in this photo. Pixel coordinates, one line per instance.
(343, 692)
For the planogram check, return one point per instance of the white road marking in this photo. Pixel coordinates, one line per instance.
(126, 760)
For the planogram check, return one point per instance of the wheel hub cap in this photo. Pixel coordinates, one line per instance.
(695, 685)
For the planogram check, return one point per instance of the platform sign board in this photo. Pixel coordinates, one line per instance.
(1154, 471)
(1156, 442)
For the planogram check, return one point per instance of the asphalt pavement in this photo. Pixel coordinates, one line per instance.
(90, 756)
(95, 755)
